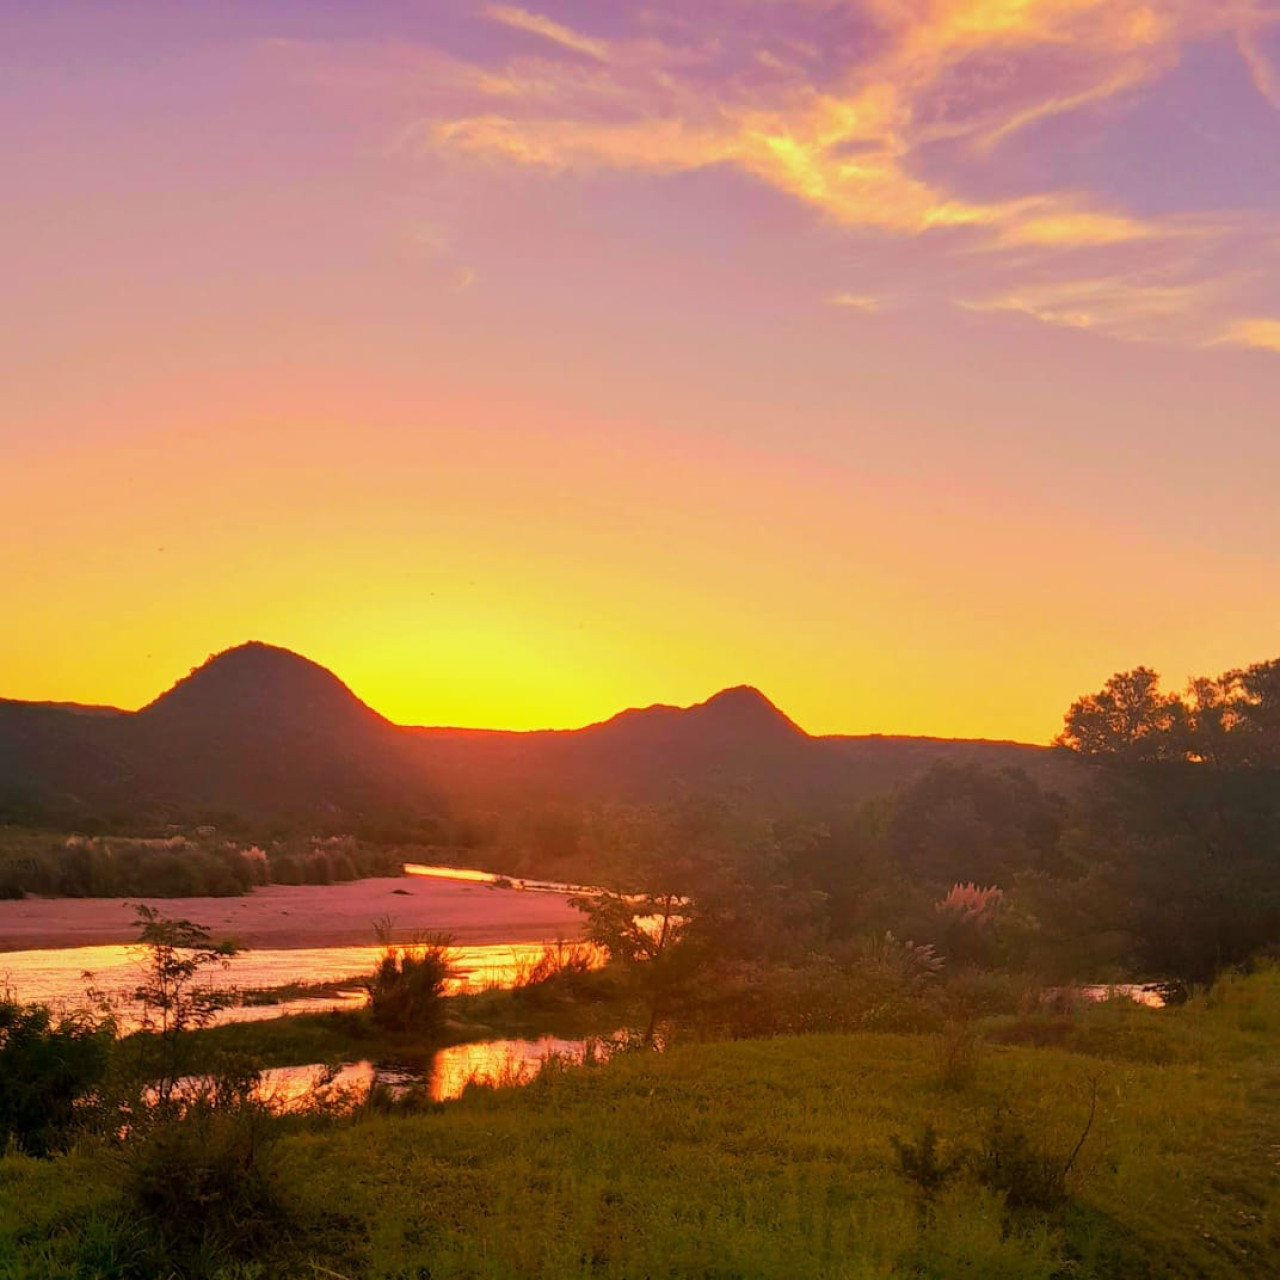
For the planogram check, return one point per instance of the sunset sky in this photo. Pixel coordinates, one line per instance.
(917, 361)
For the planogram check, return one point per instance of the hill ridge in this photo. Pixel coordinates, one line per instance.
(261, 731)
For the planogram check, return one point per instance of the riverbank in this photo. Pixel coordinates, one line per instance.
(765, 1159)
(288, 916)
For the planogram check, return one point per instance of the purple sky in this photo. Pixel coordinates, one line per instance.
(918, 361)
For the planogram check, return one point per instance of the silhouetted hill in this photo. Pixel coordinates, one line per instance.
(256, 687)
(263, 733)
(256, 732)
(736, 741)
(261, 730)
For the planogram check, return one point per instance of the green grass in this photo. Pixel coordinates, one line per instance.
(772, 1159)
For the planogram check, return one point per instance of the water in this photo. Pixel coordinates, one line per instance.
(57, 976)
(1150, 994)
(471, 876)
(506, 1062)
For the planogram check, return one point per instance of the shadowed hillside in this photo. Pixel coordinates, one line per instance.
(263, 733)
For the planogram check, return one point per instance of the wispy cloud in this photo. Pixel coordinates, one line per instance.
(889, 133)
(538, 25)
(1265, 74)
(856, 301)
(1118, 306)
(853, 148)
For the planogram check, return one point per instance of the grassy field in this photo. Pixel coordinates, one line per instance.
(773, 1158)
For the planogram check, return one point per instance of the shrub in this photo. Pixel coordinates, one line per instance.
(51, 1074)
(406, 990)
(285, 870)
(1029, 1174)
(170, 998)
(316, 869)
(564, 971)
(204, 1181)
(341, 867)
(927, 1162)
(959, 1047)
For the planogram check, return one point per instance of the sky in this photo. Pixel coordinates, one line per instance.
(916, 361)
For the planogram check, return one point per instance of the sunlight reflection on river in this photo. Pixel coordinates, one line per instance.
(58, 976)
(496, 1062)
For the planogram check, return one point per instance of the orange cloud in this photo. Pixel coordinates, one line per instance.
(1262, 332)
(1117, 306)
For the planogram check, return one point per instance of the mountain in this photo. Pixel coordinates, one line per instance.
(257, 731)
(736, 741)
(265, 734)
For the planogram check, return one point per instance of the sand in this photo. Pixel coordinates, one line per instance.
(305, 915)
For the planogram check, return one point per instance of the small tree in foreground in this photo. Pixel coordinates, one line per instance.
(171, 998)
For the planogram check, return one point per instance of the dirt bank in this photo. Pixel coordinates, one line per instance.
(304, 915)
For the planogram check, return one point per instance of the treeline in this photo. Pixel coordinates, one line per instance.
(1163, 862)
(337, 860)
(83, 867)
(79, 866)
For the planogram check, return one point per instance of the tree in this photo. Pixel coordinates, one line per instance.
(696, 888)
(1129, 719)
(1183, 824)
(171, 998)
(959, 823)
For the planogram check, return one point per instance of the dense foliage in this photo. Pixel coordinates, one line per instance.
(1163, 861)
(51, 1072)
(196, 865)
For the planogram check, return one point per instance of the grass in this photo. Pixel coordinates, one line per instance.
(773, 1158)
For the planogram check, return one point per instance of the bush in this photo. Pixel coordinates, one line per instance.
(406, 990)
(285, 870)
(927, 1162)
(565, 971)
(1029, 1174)
(959, 1047)
(51, 1074)
(316, 869)
(342, 868)
(203, 1181)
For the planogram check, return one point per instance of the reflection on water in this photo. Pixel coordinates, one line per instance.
(1150, 994)
(470, 875)
(57, 976)
(451, 873)
(505, 1062)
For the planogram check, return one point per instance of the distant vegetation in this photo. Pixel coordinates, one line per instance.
(199, 864)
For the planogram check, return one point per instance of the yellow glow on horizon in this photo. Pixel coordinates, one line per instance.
(580, 578)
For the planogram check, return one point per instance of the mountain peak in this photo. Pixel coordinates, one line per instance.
(740, 712)
(257, 678)
(744, 707)
(740, 695)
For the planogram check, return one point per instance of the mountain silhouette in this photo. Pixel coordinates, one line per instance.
(730, 715)
(257, 732)
(258, 686)
(262, 733)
